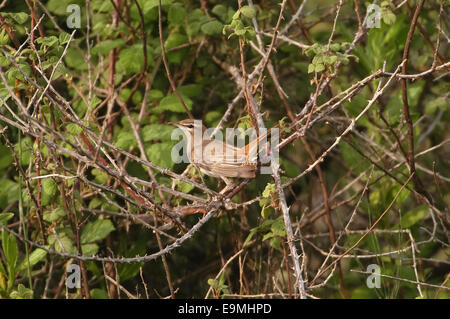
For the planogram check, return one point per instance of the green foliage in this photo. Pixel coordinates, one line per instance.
(383, 44)
(272, 229)
(22, 293)
(155, 132)
(219, 285)
(131, 60)
(4, 217)
(8, 272)
(36, 256)
(113, 88)
(97, 230)
(413, 216)
(212, 27)
(106, 46)
(387, 15)
(4, 38)
(160, 154)
(237, 25)
(324, 58)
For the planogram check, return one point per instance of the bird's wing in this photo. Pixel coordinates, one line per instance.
(218, 152)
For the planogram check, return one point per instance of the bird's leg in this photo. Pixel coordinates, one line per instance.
(229, 185)
(221, 196)
(228, 204)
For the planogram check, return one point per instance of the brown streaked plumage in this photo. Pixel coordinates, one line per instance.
(216, 158)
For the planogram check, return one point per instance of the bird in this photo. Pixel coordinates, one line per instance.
(216, 158)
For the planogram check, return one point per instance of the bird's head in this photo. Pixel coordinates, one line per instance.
(188, 125)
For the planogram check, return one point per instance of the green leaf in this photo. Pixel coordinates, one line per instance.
(106, 46)
(10, 250)
(36, 256)
(97, 230)
(75, 60)
(375, 198)
(155, 95)
(47, 41)
(250, 236)
(363, 293)
(345, 60)
(265, 212)
(177, 13)
(94, 102)
(268, 236)
(160, 154)
(275, 242)
(4, 37)
(171, 103)
(100, 176)
(402, 196)
(174, 40)
(270, 188)
(289, 167)
(131, 60)
(125, 140)
(20, 17)
(393, 111)
(240, 30)
(221, 11)
(212, 118)
(89, 249)
(49, 186)
(4, 217)
(434, 104)
(22, 293)
(212, 282)
(331, 59)
(191, 90)
(74, 128)
(95, 203)
(264, 202)
(335, 47)
(248, 12)
(277, 227)
(319, 67)
(352, 158)
(184, 187)
(63, 244)
(60, 70)
(4, 62)
(64, 38)
(54, 215)
(14, 73)
(150, 4)
(51, 61)
(154, 132)
(311, 68)
(6, 157)
(3, 274)
(212, 27)
(137, 98)
(317, 59)
(137, 247)
(98, 293)
(413, 216)
(388, 17)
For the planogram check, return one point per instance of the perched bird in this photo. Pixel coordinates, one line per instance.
(217, 158)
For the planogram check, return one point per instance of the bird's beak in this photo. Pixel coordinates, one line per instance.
(172, 123)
